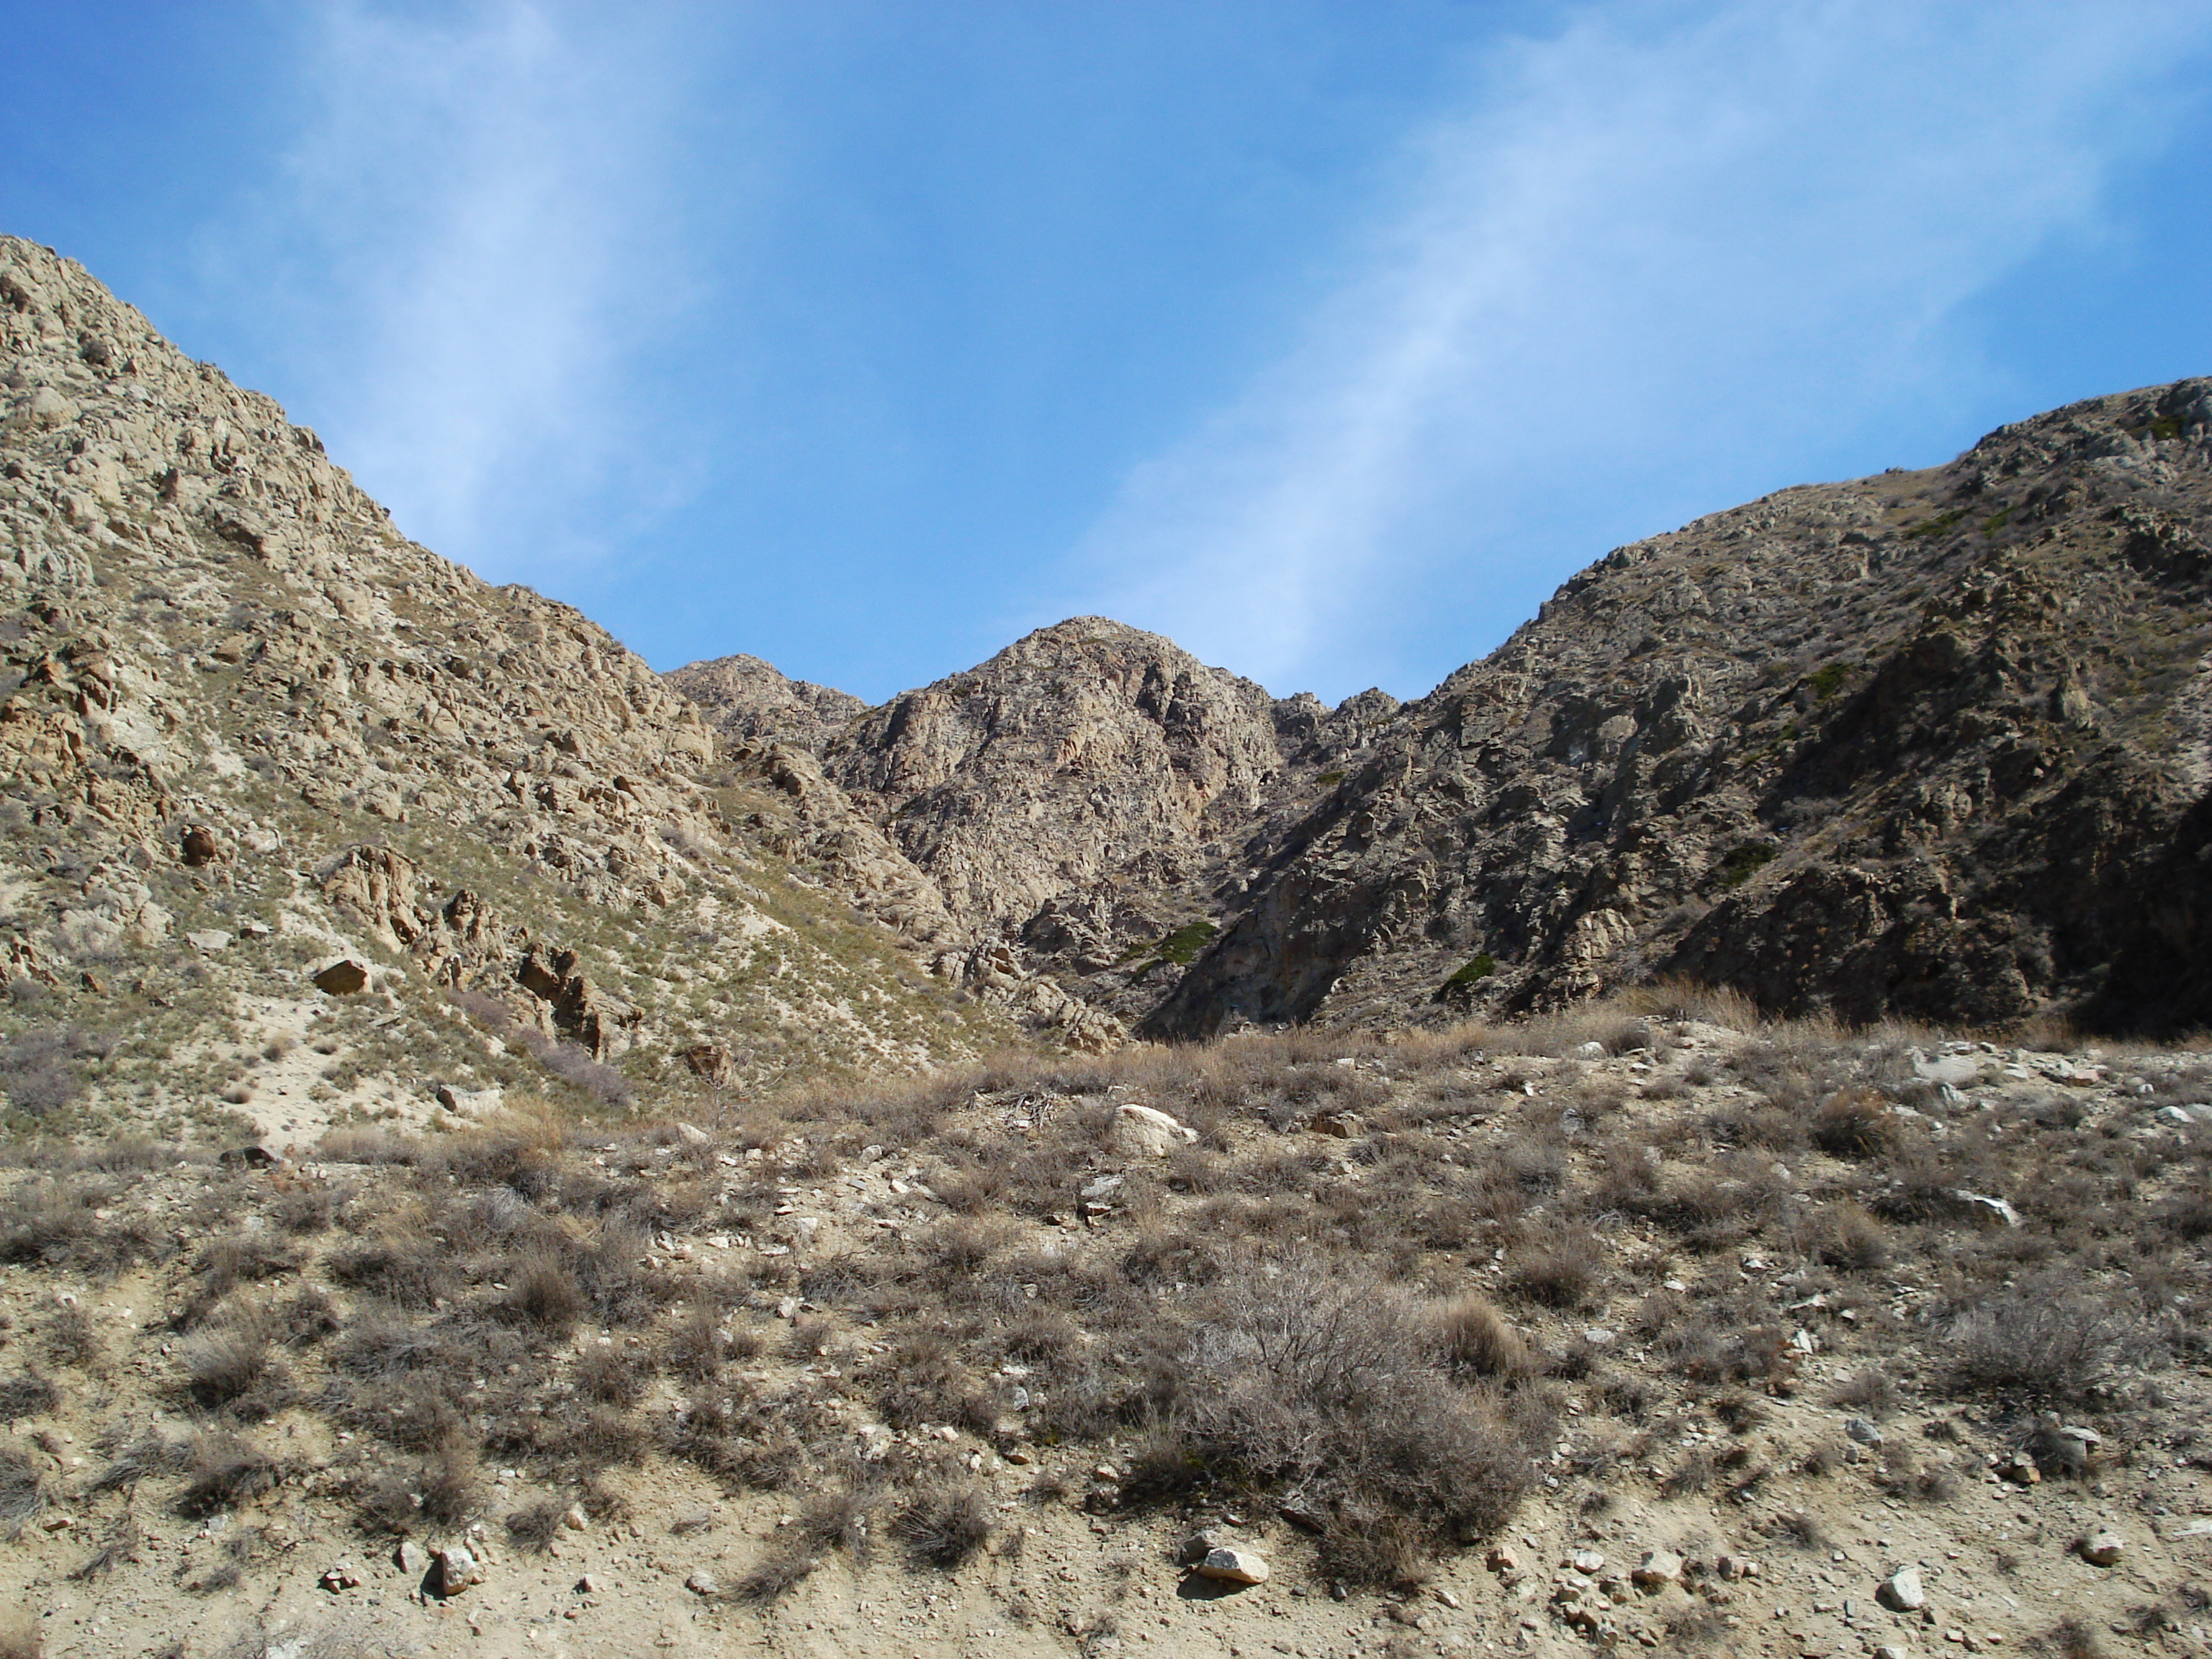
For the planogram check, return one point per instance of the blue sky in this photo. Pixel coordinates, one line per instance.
(1326, 337)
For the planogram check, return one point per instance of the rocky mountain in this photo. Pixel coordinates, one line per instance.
(1080, 805)
(1931, 744)
(251, 731)
(748, 699)
(1915, 744)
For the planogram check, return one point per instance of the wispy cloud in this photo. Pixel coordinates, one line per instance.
(475, 208)
(1665, 231)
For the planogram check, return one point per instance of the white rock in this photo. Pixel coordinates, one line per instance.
(1234, 1566)
(1658, 1567)
(1993, 1209)
(1141, 1132)
(209, 939)
(1901, 1592)
(2103, 1548)
(470, 1103)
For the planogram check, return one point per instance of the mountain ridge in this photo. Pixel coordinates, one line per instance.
(1796, 633)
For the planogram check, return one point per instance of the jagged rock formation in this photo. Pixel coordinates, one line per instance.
(248, 721)
(1928, 744)
(749, 700)
(1080, 804)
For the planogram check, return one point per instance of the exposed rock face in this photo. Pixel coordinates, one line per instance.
(747, 699)
(1080, 805)
(239, 699)
(1931, 744)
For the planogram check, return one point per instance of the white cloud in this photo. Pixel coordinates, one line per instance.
(1665, 231)
(475, 209)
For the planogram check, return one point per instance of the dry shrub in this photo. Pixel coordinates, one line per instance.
(1870, 1390)
(226, 1471)
(1559, 1269)
(411, 1272)
(943, 1523)
(613, 1377)
(1681, 999)
(930, 1383)
(1854, 1123)
(22, 1490)
(1844, 1235)
(2070, 1639)
(543, 1291)
(1329, 1383)
(26, 1396)
(72, 1338)
(1478, 1341)
(224, 1366)
(2038, 1341)
(535, 1527)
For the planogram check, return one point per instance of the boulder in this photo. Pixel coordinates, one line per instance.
(1657, 1568)
(1141, 1132)
(470, 1103)
(343, 977)
(198, 846)
(2103, 1548)
(1234, 1566)
(1901, 1592)
(453, 1570)
(411, 1558)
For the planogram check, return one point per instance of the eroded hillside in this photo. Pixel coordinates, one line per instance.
(251, 731)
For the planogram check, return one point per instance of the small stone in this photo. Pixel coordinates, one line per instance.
(1901, 1592)
(575, 1519)
(2103, 1548)
(453, 1570)
(1502, 1559)
(1589, 1051)
(703, 1582)
(1889, 1651)
(340, 1577)
(1447, 1598)
(1862, 1432)
(1587, 1561)
(1658, 1567)
(1234, 1566)
(411, 1558)
(587, 1585)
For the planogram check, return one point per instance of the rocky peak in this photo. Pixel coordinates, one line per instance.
(1070, 758)
(1899, 745)
(748, 700)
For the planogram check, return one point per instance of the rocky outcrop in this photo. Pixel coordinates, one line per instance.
(1073, 812)
(1928, 744)
(747, 701)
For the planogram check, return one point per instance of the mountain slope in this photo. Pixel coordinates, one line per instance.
(1080, 805)
(251, 728)
(1929, 744)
